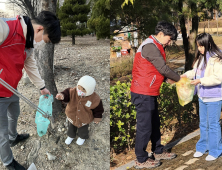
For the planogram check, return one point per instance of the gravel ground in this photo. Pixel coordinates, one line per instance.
(88, 57)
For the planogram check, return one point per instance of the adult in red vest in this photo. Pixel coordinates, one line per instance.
(18, 37)
(149, 71)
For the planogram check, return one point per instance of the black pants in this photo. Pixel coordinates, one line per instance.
(83, 131)
(148, 125)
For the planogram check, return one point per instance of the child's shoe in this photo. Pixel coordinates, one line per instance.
(69, 140)
(210, 158)
(197, 154)
(80, 141)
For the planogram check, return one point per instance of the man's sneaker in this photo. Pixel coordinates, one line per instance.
(165, 155)
(150, 163)
(18, 139)
(15, 166)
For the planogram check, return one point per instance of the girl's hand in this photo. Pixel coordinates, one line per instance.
(59, 96)
(183, 75)
(96, 122)
(195, 82)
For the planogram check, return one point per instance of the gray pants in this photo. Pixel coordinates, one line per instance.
(9, 113)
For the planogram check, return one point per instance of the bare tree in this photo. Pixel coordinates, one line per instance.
(4, 14)
(28, 7)
(45, 59)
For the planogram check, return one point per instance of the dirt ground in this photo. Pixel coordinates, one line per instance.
(87, 57)
(185, 159)
(119, 159)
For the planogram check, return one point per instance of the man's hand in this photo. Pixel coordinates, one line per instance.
(195, 82)
(170, 81)
(59, 96)
(183, 75)
(45, 91)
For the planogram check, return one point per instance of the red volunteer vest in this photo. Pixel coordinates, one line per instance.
(12, 57)
(146, 79)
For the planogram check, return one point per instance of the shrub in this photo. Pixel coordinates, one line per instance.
(122, 117)
(169, 107)
(123, 114)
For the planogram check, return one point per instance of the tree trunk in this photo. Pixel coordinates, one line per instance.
(189, 42)
(30, 8)
(45, 59)
(208, 27)
(217, 21)
(73, 39)
(204, 26)
(184, 32)
(188, 26)
(26, 6)
(192, 37)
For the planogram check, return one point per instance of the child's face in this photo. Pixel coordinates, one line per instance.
(81, 88)
(201, 48)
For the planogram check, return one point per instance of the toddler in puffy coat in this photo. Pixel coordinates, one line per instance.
(84, 106)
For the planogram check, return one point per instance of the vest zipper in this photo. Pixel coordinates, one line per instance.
(154, 78)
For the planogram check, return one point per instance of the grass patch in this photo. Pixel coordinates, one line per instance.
(175, 52)
(120, 67)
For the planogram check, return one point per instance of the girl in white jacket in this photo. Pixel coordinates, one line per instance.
(207, 75)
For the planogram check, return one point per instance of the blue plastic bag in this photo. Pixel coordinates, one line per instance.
(42, 123)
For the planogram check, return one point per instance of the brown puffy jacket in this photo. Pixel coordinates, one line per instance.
(81, 111)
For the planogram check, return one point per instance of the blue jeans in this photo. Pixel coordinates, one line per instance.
(210, 129)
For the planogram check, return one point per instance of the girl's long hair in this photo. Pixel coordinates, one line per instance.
(206, 40)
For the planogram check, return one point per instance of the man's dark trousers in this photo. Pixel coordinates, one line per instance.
(148, 125)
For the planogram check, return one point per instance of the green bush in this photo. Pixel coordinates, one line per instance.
(123, 114)
(169, 107)
(122, 117)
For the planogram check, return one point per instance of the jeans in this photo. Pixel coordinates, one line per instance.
(148, 125)
(9, 113)
(210, 129)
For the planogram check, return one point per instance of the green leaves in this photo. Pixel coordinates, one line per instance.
(122, 117)
(100, 18)
(126, 3)
(73, 17)
(123, 113)
(119, 124)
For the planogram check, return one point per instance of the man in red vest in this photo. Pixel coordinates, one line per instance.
(18, 37)
(149, 71)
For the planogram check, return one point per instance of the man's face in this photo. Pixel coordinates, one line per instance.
(39, 36)
(166, 40)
